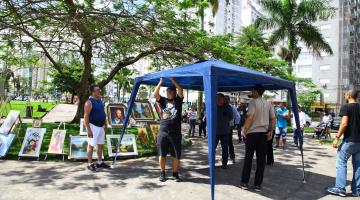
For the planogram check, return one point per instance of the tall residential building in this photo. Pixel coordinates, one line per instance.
(335, 74)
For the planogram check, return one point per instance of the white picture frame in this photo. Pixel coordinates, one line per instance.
(128, 144)
(56, 145)
(83, 130)
(31, 145)
(9, 122)
(78, 148)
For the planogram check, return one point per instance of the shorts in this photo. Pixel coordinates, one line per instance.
(280, 132)
(169, 142)
(98, 135)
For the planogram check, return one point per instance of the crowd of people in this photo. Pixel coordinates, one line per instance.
(256, 123)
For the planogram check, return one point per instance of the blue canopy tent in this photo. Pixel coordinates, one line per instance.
(213, 77)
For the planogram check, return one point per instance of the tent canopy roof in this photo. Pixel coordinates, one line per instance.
(229, 77)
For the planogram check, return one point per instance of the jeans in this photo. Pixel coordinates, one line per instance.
(298, 137)
(255, 142)
(202, 128)
(224, 140)
(345, 151)
(192, 123)
(238, 127)
(231, 145)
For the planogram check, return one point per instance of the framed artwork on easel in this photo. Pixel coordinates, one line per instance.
(116, 115)
(143, 111)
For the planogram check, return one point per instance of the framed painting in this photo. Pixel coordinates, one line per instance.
(32, 142)
(83, 130)
(126, 148)
(154, 128)
(5, 143)
(56, 145)
(78, 148)
(143, 135)
(143, 111)
(37, 123)
(9, 122)
(116, 114)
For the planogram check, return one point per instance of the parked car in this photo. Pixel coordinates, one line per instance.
(336, 124)
(308, 120)
(22, 98)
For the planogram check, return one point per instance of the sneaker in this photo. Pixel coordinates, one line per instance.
(176, 177)
(257, 188)
(92, 168)
(244, 186)
(102, 165)
(162, 177)
(336, 191)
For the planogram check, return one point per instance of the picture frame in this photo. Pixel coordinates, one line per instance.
(57, 140)
(142, 111)
(32, 142)
(154, 129)
(5, 143)
(78, 148)
(83, 129)
(9, 122)
(127, 148)
(116, 115)
(37, 123)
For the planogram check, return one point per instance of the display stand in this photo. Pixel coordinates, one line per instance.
(16, 129)
(63, 154)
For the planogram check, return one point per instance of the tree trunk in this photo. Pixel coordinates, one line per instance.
(72, 97)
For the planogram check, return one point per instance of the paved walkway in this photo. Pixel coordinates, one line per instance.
(138, 178)
(61, 113)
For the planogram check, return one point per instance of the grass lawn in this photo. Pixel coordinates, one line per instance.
(20, 106)
(72, 129)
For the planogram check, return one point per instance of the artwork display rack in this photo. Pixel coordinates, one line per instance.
(63, 153)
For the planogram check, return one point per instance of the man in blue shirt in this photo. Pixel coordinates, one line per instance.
(281, 124)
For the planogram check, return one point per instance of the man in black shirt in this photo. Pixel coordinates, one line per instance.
(169, 137)
(350, 147)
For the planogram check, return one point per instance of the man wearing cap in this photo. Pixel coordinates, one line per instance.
(169, 137)
(258, 128)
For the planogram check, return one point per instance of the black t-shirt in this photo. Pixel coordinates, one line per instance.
(352, 132)
(171, 115)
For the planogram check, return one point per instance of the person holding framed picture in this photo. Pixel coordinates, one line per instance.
(169, 137)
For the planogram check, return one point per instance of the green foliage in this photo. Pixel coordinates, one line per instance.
(306, 99)
(20, 106)
(293, 21)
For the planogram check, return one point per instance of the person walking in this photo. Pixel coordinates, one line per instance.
(270, 149)
(281, 125)
(298, 136)
(350, 146)
(233, 123)
(258, 128)
(192, 115)
(224, 116)
(94, 121)
(202, 120)
(169, 137)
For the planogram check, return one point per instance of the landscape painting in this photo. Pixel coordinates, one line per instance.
(78, 148)
(56, 145)
(142, 111)
(127, 147)
(32, 142)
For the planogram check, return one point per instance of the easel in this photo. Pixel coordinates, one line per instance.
(16, 130)
(62, 153)
(28, 104)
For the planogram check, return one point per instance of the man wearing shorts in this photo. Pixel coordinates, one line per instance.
(281, 125)
(169, 137)
(94, 120)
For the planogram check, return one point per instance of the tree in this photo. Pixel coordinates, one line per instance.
(306, 99)
(252, 36)
(111, 35)
(124, 82)
(293, 22)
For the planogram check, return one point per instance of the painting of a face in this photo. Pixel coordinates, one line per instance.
(57, 142)
(142, 111)
(116, 114)
(32, 142)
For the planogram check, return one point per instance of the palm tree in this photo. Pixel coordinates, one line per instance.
(252, 36)
(293, 22)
